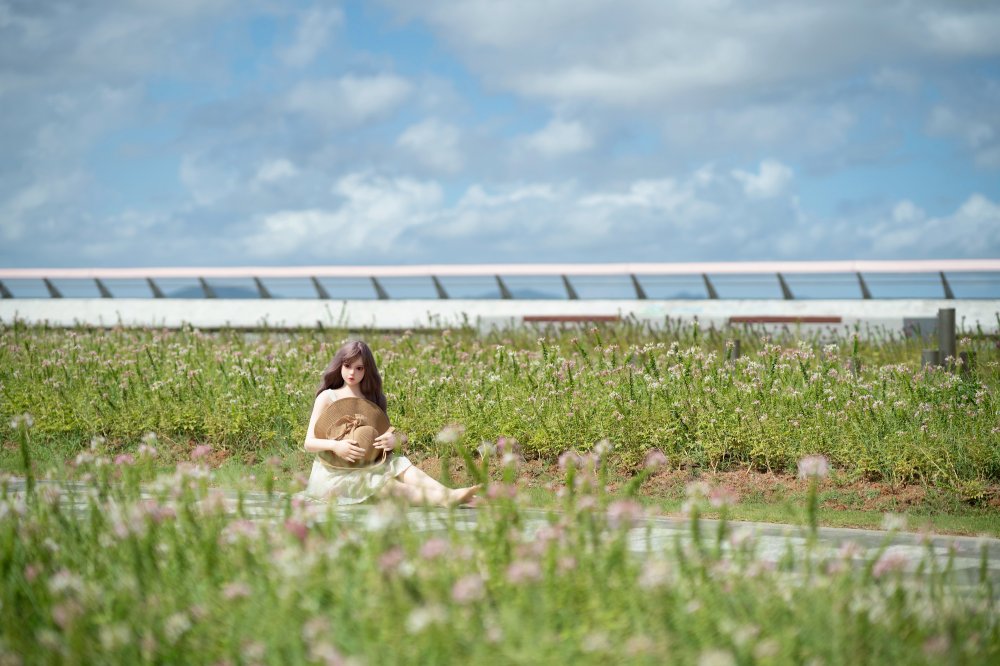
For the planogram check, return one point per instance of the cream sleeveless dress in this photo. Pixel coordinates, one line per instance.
(352, 486)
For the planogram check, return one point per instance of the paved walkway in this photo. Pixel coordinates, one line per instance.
(771, 541)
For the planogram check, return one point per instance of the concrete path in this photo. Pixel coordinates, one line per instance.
(771, 542)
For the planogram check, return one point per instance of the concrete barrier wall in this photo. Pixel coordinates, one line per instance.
(875, 315)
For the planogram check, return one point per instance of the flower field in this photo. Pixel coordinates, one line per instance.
(118, 546)
(866, 405)
(178, 574)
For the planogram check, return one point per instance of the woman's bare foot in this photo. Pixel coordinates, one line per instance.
(464, 495)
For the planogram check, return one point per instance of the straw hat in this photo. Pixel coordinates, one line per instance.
(353, 418)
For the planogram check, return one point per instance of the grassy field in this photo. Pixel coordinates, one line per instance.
(865, 404)
(111, 576)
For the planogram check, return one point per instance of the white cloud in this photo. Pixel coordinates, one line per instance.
(559, 138)
(973, 230)
(312, 35)
(643, 89)
(770, 181)
(284, 233)
(669, 55)
(207, 182)
(907, 212)
(37, 198)
(476, 196)
(894, 78)
(348, 100)
(976, 124)
(805, 127)
(434, 143)
(372, 213)
(971, 30)
(275, 170)
(703, 214)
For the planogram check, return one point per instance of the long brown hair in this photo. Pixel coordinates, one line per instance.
(371, 384)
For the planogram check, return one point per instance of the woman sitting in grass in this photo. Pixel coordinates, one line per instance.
(352, 374)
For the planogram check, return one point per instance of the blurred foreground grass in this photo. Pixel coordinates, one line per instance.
(152, 565)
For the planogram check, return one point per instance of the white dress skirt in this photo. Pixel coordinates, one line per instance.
(352, 486)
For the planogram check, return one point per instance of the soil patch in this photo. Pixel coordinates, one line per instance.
(836, 491)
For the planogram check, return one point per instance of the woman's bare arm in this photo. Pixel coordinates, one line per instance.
(345, 448)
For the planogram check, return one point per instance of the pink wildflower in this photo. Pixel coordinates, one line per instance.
(602, 448)
(297, 529)
(511, 460)
(235, 590)
(722, 496)
(391, 559)
(655, 459)
(814, 466)
(889, 562)
(936, 646)
(834, 567)
(434, 548)
(147, 450)
(569, 459)
(741, 537)
(24, 419)
(523, 571)
(65, 613)
(200, 451)
(124, 459)
(716, 657)
(501, 490)
(893, 522)
(450, 433)
(697, 490)
(214, 502)
(547, 533)
(624, 513)
(655, 573)
(468, 589)
(156, 512)
(239, 530)
(508, 445)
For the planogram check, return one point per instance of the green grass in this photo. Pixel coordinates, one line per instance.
(961, 520)
(248, 396)
(671, 389)
(173, 578)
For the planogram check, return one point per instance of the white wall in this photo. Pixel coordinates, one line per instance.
(403, 314)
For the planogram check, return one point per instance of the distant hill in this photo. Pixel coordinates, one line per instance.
(526, 294)
(237, 292)
(195, 291)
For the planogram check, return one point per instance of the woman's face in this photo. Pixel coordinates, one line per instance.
(353, 372)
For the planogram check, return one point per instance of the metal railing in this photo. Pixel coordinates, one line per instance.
(637, 275)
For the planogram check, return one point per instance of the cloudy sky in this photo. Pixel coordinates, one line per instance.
(269, 132)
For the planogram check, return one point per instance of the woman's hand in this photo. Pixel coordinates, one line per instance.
(348, 449)
(386, 441)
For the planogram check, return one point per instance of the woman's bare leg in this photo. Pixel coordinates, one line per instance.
(414, 476)
(414, 494)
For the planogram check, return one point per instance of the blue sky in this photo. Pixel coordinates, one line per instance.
(258, 132)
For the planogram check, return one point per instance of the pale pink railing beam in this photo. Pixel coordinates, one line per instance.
(489, 270)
